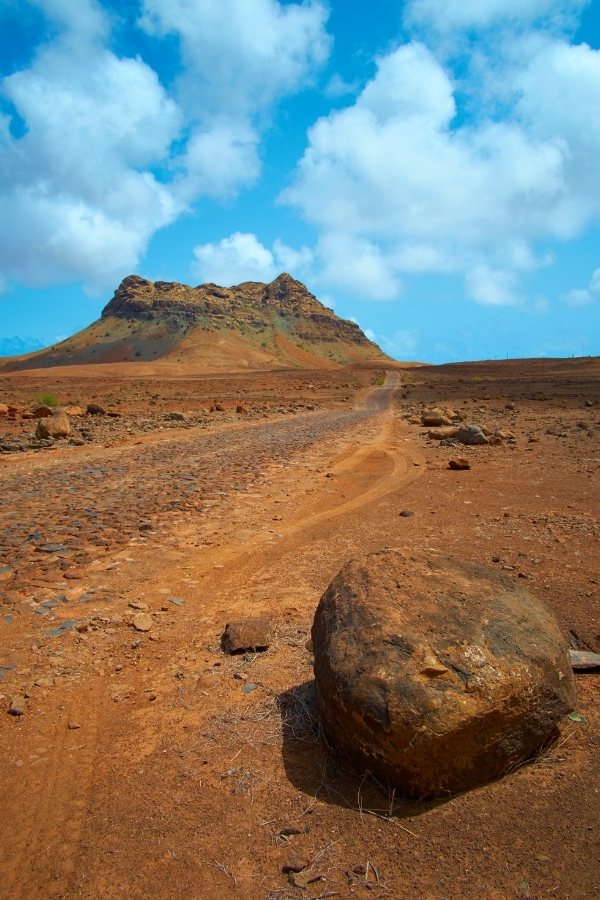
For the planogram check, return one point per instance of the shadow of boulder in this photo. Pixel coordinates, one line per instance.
(314, 767)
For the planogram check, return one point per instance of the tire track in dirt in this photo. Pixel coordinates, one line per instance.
(40, 858)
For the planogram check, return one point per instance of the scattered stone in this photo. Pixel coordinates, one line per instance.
(247, 635)
(435, 673)
(471, 435)
(42, 411)
(406, 513)
(142, 622)
(138, 604)
(434, 418)
(94, 409)
(17, 706)
(297, 861)
(459, 463)
(448, 432)
(54, 426)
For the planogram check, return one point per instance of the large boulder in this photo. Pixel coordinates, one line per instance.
(437, 674)
(55, 426)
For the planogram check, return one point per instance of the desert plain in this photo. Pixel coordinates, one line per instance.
(139, 760)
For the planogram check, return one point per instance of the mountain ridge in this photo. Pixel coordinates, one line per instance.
(252, 324)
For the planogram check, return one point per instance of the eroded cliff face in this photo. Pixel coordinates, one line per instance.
(208, 328)
(251, 304)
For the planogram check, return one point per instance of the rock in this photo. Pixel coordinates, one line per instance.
(241, 410)
(218, 407)
(55, 426)
(247, 635)
(406, 513)
(437, 674)
(74, 410)
(94, 409)
(3, 409)
(433, 418)
(177, 416)
(297, 861)
(142, 622)
(42, 411)
(459, 463)
(17, 706)
(446, 432)
(471, 435)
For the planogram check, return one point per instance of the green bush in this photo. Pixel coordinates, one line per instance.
(47, 400)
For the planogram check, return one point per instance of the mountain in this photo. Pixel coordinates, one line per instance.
(251, 325)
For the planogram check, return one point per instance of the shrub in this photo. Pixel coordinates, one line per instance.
(47, 400)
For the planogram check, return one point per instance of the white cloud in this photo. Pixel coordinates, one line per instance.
(242, 257)
(241, 55)
(397, 173)
(491, 288)
(357, 266)
(77, 186)
(584, 296)
(402, 344)
(107, 155)
(446, 15)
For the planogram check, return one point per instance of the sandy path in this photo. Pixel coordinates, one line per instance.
(238, 549)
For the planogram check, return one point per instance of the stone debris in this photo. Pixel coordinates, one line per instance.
(459, 463)
(437, 674)
(56, 425)
(142, 622)
(247, 635)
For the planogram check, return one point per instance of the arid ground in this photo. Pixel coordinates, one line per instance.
(148, 764)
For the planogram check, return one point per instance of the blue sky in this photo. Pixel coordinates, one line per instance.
(429, 168)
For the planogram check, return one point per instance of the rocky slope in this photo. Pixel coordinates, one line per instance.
(251, 325)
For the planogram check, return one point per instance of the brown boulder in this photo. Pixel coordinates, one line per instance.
(446, 432)
(94, 409)
(248, 635)
(3, 409)
(437, 674)
(434, 418)
(42, 411)
(55, 426)
(74, 411)
(459, 463)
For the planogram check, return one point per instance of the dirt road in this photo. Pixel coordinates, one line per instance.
(149, 764)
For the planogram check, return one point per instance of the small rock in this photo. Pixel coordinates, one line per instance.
(73, 726)
(406, 513)
(17, 706)
(142, 622)
(247, 635)
(297, 861)
(459, 463)
(94, 409)
(42, 411)
(471, 435)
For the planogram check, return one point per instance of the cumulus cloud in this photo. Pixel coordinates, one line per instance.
(399, 173)
(242, 257)
(96, 154)
(241, 55)
(447, 15)
(584, 296)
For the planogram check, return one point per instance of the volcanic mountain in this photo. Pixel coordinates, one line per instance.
(252, 325)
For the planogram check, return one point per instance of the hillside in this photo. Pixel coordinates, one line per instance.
(251, 325)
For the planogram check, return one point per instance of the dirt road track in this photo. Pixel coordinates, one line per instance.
(260, 548)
